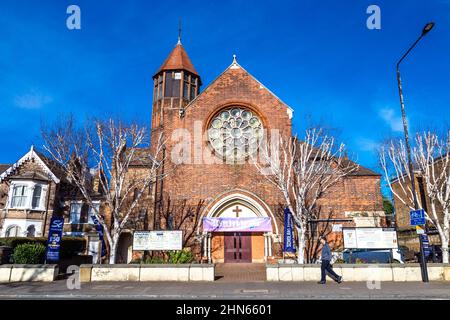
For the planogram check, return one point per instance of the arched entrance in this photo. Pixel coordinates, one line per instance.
(237, 228)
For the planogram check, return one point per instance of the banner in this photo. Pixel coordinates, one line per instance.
(99, 229)
(54, 239)
(288, 243)
(237, 224)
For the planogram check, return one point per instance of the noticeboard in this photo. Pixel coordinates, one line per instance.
(370, 238)
(158, 240)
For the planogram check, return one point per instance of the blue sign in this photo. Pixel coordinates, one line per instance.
(425, 244)
(54, 239)
(288, 232)
(417, 217)
(99, 229)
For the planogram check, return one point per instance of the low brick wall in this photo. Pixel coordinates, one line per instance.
(147, 272)
(358, 272)
(28, 272)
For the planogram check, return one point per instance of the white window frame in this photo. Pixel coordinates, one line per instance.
(29, 185)
(79, 213)
(20, 234)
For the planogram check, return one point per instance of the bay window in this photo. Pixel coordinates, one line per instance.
(19, 196)
(28, 195)
(36, 201)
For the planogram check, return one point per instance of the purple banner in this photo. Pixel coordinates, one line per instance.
(237, 224)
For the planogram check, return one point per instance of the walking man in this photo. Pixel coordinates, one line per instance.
(326, 263)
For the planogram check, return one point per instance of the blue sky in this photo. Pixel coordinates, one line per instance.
(319, 57)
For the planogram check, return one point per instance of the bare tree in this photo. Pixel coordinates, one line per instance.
(111, 147)
(182, 216)
(431, 156)
(304, 171)
(315, 230)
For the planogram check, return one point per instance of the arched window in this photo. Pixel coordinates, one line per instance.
(31, 231)
(13, 231)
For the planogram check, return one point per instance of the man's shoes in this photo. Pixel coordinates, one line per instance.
(321, 282)
(339, 280)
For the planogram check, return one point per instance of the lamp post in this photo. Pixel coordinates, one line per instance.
(426, 29)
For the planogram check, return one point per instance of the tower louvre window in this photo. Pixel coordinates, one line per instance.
(186, 86)
(172, 84)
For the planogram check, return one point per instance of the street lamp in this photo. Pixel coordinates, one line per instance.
(426, 29)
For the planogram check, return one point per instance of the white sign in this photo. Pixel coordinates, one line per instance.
(350, 238)
(158, 240)
(370, 238)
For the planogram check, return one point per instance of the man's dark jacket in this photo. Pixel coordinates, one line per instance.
(326, 252)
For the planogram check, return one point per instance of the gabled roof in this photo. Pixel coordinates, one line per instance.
(3, 167)
(235, 65)
(178, 60)
(48, 166)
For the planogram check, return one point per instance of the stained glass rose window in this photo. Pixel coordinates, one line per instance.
(235, 132)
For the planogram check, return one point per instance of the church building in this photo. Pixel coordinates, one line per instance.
(228, 211)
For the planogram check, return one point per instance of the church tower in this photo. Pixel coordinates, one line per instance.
(175, 84)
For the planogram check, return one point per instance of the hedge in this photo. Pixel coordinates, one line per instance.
(29, 253)
(70, 246)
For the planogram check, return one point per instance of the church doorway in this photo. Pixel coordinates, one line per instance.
(238, 229)
(238, 247)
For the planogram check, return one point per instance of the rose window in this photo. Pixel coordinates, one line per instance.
(235, 132)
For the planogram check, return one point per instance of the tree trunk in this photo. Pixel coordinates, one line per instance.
(445, 252)
(113, 249)
(445, 238)
(301, 246)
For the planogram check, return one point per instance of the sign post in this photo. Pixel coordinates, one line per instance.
(417, 219)
(54, 239)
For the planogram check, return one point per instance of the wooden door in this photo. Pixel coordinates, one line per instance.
(238, 247)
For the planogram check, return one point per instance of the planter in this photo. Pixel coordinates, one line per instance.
(33, 272)
(115, 272)
(359, 272)
(5, 272)
(147, 272)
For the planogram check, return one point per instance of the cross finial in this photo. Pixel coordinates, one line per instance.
(179, 31)
(234, 59)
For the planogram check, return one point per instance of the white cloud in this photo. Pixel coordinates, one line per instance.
(32, 100)
(366, 144)
(392, 120)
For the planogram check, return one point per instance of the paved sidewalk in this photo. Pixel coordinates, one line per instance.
(240, 272)
(225, 290)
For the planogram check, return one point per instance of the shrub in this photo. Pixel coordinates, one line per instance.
(29, 253)
(70, 246)
(172, 257)
(182, 256)
(153, 260)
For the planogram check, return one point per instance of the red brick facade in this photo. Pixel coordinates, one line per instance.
(358, 196)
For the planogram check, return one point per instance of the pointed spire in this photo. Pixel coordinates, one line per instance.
(179, 32)
(178, 60)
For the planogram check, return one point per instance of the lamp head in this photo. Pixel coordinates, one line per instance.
(427, 28)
